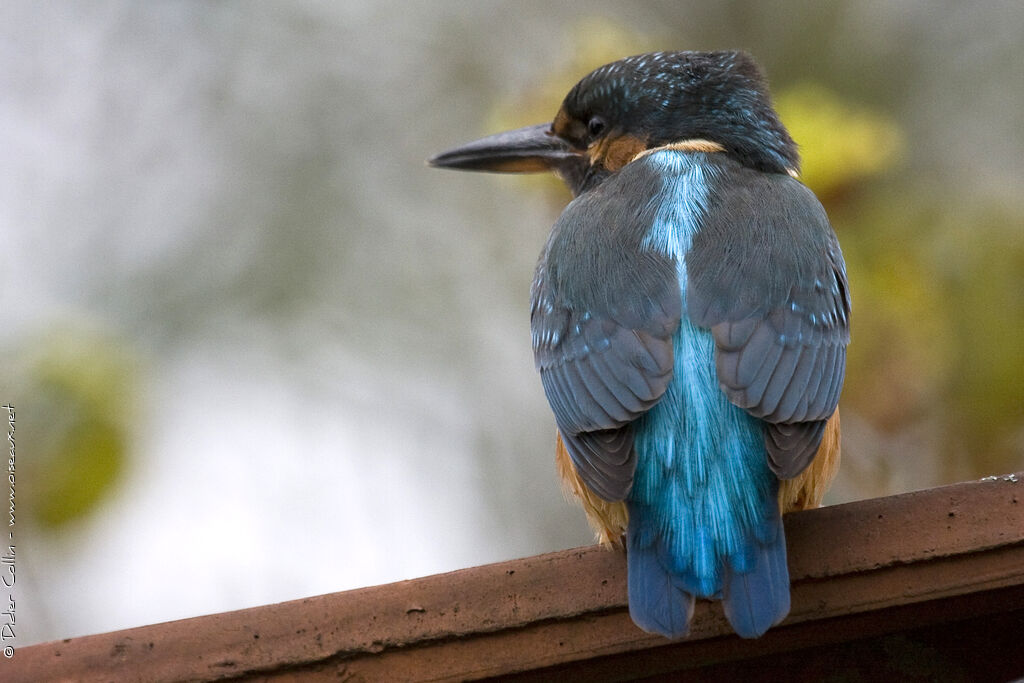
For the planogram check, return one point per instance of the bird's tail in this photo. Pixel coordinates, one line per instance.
(658, 601)
(753, 586)
(756, 600)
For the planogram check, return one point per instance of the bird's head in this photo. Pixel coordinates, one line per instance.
(707, 100)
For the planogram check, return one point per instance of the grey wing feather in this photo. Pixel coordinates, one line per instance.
(596, 388)
(766, 274)
(603, 314)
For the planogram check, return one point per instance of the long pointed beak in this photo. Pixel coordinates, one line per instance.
(524, 150)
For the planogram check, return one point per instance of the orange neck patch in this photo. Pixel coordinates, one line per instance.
(614, 153)
(694, 145)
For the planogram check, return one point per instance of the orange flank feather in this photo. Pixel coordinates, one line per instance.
(609, 520)
(805, 490)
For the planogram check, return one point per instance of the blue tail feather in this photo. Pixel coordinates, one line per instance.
(755, 601)
(664, 578)
(745, 558)
(657, 601)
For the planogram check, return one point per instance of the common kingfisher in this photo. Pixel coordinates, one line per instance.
(690, 315)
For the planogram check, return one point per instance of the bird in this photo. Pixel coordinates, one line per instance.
(690, 316)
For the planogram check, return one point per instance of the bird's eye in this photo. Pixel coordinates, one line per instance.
(595, 126)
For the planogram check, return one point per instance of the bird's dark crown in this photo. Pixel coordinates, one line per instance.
(660, 98)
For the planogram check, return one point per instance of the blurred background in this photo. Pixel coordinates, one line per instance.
(258, 351)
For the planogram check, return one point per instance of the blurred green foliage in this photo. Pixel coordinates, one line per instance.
(938, 312)
(840, 143)
(938, 289)
(76, 405)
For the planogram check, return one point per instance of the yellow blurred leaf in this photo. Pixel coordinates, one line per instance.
(76, 402)
(840, 142)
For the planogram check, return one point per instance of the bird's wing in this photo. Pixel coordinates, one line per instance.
(603, 314)
(766, 274)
